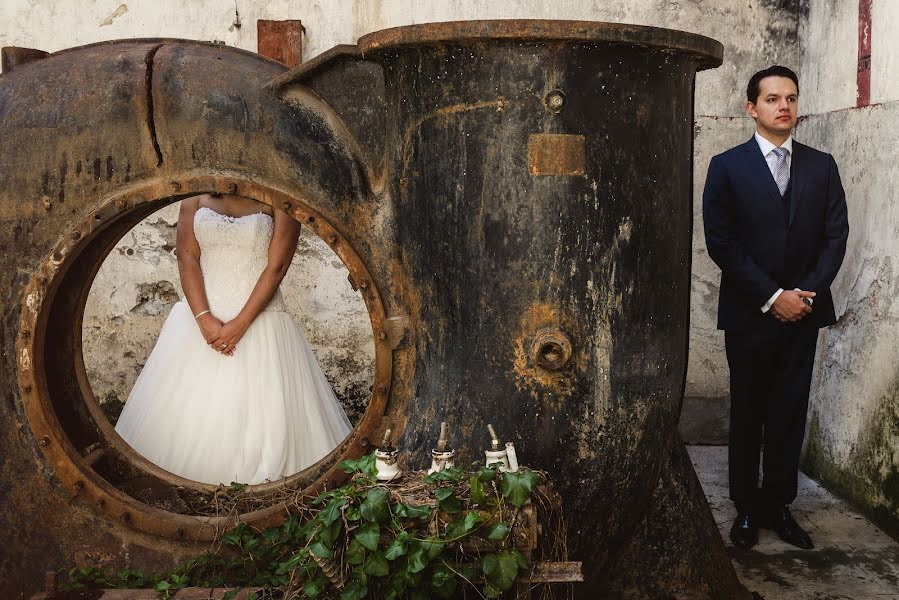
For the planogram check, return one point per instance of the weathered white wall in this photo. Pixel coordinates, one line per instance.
(884, 51)
(853, 438)
(830, 29)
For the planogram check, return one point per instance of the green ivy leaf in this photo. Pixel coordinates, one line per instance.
(476, 494)
(488, 473)
(470, 571)
(520, 559)
(443, 581)
(320, 550)
(433, 547)
(364, 465)
(517, 487)
(418, 558)
(375, 507)
(453, 475)
(492, 592)
(395, 588)
(355, 552)
(497, 532)
(447, 501)
(271, 534)
(397, 547)
(376, 565)
(500, 570)
(353, 514)
(328, 535)
(332, 511)
(458, 529)
(368, 535)
(313, 588)
(411, 511)
(356, 590)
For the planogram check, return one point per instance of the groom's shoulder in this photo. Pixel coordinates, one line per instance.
(736, 153)
(808, 150)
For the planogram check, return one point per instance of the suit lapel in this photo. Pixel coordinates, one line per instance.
(760, 171)
(799, 174)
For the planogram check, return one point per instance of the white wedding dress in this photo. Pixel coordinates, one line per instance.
(264, 413)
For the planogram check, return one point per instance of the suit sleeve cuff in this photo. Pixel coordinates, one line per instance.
(771, 300)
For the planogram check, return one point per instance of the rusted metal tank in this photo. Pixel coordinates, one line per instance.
(513, 198)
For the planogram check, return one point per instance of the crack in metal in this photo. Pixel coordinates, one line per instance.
(151, 119)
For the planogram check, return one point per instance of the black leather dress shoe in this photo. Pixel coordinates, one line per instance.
(744, 533)
(781, 521)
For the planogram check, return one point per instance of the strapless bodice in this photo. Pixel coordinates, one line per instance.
(233, 254)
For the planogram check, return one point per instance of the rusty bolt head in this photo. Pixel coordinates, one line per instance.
(47, 204)
(101, 503)
(125, 517)
(364, 442)
(176, 187)
(332, 239)
(554, 101)
(27, 388)
(120, 203)
(25, 334)
(232, 188)
(76, 235)
(286, 205)
(98, 217)
(44, 441)
(382, 390)
(311, 219)
(363, 284)
(79, 485)
(382, 335)
(179, 532)
(551, 349)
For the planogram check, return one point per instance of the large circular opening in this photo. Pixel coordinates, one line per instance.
(70, 394)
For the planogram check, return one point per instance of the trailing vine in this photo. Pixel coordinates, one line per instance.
(424, 537)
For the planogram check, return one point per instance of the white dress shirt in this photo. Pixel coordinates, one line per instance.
(767, 149)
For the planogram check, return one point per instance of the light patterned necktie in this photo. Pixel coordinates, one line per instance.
(781, 170)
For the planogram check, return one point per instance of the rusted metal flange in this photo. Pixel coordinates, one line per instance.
(75, 468)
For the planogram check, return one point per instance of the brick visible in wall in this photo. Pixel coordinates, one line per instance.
(280, 40)
(863, 74)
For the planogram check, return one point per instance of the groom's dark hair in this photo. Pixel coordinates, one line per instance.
(754, 88)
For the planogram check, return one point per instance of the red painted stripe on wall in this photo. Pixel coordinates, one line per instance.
(863, 73)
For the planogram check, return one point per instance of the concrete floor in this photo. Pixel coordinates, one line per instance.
(852, 559)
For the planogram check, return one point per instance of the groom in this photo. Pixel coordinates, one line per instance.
(776, 225)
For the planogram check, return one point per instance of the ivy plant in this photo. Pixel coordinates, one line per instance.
(420, 538)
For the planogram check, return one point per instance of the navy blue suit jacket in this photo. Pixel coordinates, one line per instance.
(759, 248)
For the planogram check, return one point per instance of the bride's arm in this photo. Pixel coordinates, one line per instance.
(280, 253)
(188, 253)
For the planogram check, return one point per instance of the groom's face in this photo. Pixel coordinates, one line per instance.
(775, 109)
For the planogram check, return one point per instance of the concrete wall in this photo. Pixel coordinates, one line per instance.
(853, 438)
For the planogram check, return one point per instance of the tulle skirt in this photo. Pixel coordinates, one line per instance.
(264, 413)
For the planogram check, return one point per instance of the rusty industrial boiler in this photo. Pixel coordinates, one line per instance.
(513, 200)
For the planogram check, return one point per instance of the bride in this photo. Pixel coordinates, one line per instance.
(232, 391)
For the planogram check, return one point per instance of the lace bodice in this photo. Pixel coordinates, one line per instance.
(233, 253)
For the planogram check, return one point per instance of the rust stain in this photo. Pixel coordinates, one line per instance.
(556, 154)
(499, 105)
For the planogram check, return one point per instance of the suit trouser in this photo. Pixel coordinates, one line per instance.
(770, 377)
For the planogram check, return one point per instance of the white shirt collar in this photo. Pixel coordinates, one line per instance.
(766, 147)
